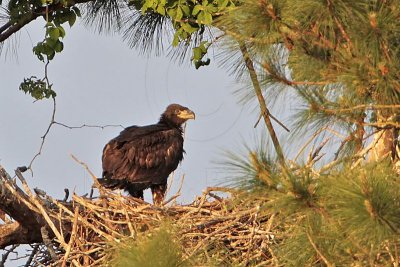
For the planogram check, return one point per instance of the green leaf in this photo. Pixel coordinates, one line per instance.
(211, 8)
(77, 11)
(47, 49)
(197, 54)
(144, 7)
(222, 3)
(200, 17)
(37, 50)
(49, 42)
(179, 14)
(59, 46)
(37, 88)
(161, 10)
(175, 42)
(203, 46)
(188, 28)
(207, 18)
(51, 55)
(196, 9)
(72, 19)
(54, 33)
(185, 10)
(171, 12)
(62, 31)
(149, 4)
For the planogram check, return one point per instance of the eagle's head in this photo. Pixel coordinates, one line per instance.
(175, 115)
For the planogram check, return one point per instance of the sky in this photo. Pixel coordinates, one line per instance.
(100, 81)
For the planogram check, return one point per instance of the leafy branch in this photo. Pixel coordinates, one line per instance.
(23, 13)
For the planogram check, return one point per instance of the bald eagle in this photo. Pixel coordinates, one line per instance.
(142, 157)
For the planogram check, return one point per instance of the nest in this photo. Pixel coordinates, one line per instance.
(208, 223)
(81, 232)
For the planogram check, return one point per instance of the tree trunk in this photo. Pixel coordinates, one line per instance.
(385, 141)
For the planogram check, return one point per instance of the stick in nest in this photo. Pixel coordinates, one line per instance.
(73, 236)
(94, 177)
(177, 194)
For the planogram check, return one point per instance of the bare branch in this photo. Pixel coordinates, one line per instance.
(33, 254)
(264, 110)
(89, 126)
(5, 255)
(54, 122)
(15, 233)
(275, 119)
(45, 135)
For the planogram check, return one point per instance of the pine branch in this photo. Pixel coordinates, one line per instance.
(323, 258)
(264, 110)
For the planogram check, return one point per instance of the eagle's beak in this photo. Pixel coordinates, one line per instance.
(186, 114)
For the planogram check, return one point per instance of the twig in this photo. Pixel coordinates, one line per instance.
(5, 255)
(215, 196)
(54, 122)
(171, 179)
(24, 183)
(89, 126)
(315, 135)
(325, 260)
(86, 222)
(44, 136)
(94, 177)
(91, 193)
(253, 231)
(177, 194)
(33, 254)
(47, 242)
(66, 191)
(275, 119)
(72, 238)
(314, 155)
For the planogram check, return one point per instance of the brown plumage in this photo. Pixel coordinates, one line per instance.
(142, 157)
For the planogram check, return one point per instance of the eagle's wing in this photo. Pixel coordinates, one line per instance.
(143, 154)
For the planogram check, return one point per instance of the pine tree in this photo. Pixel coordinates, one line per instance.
(341, 59)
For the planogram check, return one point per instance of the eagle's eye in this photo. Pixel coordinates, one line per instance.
(176, 111)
